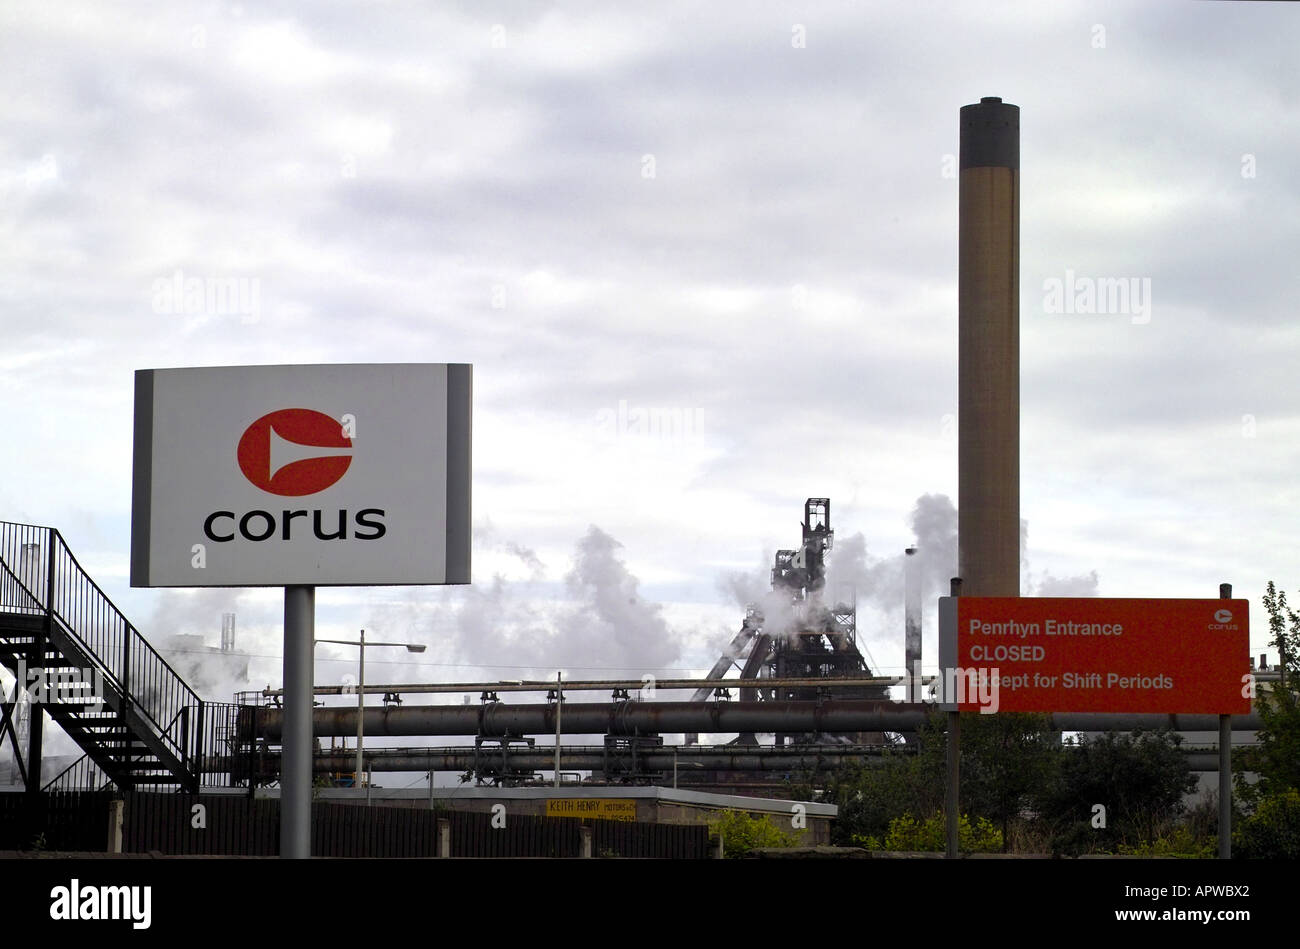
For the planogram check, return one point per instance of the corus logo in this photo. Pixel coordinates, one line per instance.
(292, 452)
(262, 452)
(1223, 616)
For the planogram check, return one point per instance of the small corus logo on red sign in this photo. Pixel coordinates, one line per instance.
(268, 458)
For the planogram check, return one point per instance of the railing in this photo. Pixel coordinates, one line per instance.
(40, 576)
(82, 775)
(210, 734)
(23, 569)
(127, 660)
(216, 743)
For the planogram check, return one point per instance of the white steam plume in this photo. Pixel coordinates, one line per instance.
(599, 622)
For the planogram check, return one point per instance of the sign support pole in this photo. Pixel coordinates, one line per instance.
(361, 716)
(1225, 767)
(952, 811)
(296, 742)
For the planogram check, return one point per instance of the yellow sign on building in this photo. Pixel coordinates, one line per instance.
(599, 808)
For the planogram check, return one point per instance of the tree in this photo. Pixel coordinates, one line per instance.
(1276, 756)
(1284, 624)
(1139, 780)
(1006, 761)
(871, 796)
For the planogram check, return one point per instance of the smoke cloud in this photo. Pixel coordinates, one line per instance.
(185, 628)
(853, 573)
(598, 624)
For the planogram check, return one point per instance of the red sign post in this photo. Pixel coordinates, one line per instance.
(1062, 654)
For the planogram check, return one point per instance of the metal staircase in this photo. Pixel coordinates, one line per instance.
(76, 655)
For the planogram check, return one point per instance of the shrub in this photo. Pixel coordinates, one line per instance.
(906, 833)
(870, 796)
(1180, 841)
(1273, 831)
(1140, 779)
(742, 832)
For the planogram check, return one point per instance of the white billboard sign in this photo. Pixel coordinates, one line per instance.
(348, 475)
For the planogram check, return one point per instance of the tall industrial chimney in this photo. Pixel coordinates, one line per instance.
(988, 385)
(912, 614)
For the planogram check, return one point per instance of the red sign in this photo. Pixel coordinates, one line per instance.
(1061, 654)
(257, 452)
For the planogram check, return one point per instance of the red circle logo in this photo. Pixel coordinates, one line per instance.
(271, 457)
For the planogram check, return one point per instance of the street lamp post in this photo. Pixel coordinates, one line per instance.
(361, 688)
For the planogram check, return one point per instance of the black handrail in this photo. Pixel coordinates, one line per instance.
(214, 745)
(145, 679)
(60, 588)
(16, 540)
(79, 776)
(133, 629)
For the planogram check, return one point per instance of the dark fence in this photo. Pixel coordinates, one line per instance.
(76, 820)
(226, 826)
(626, 839)
(219, 825)
(472, 835)
(238, 826)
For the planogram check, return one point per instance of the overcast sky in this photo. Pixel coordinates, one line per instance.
(741, 219)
